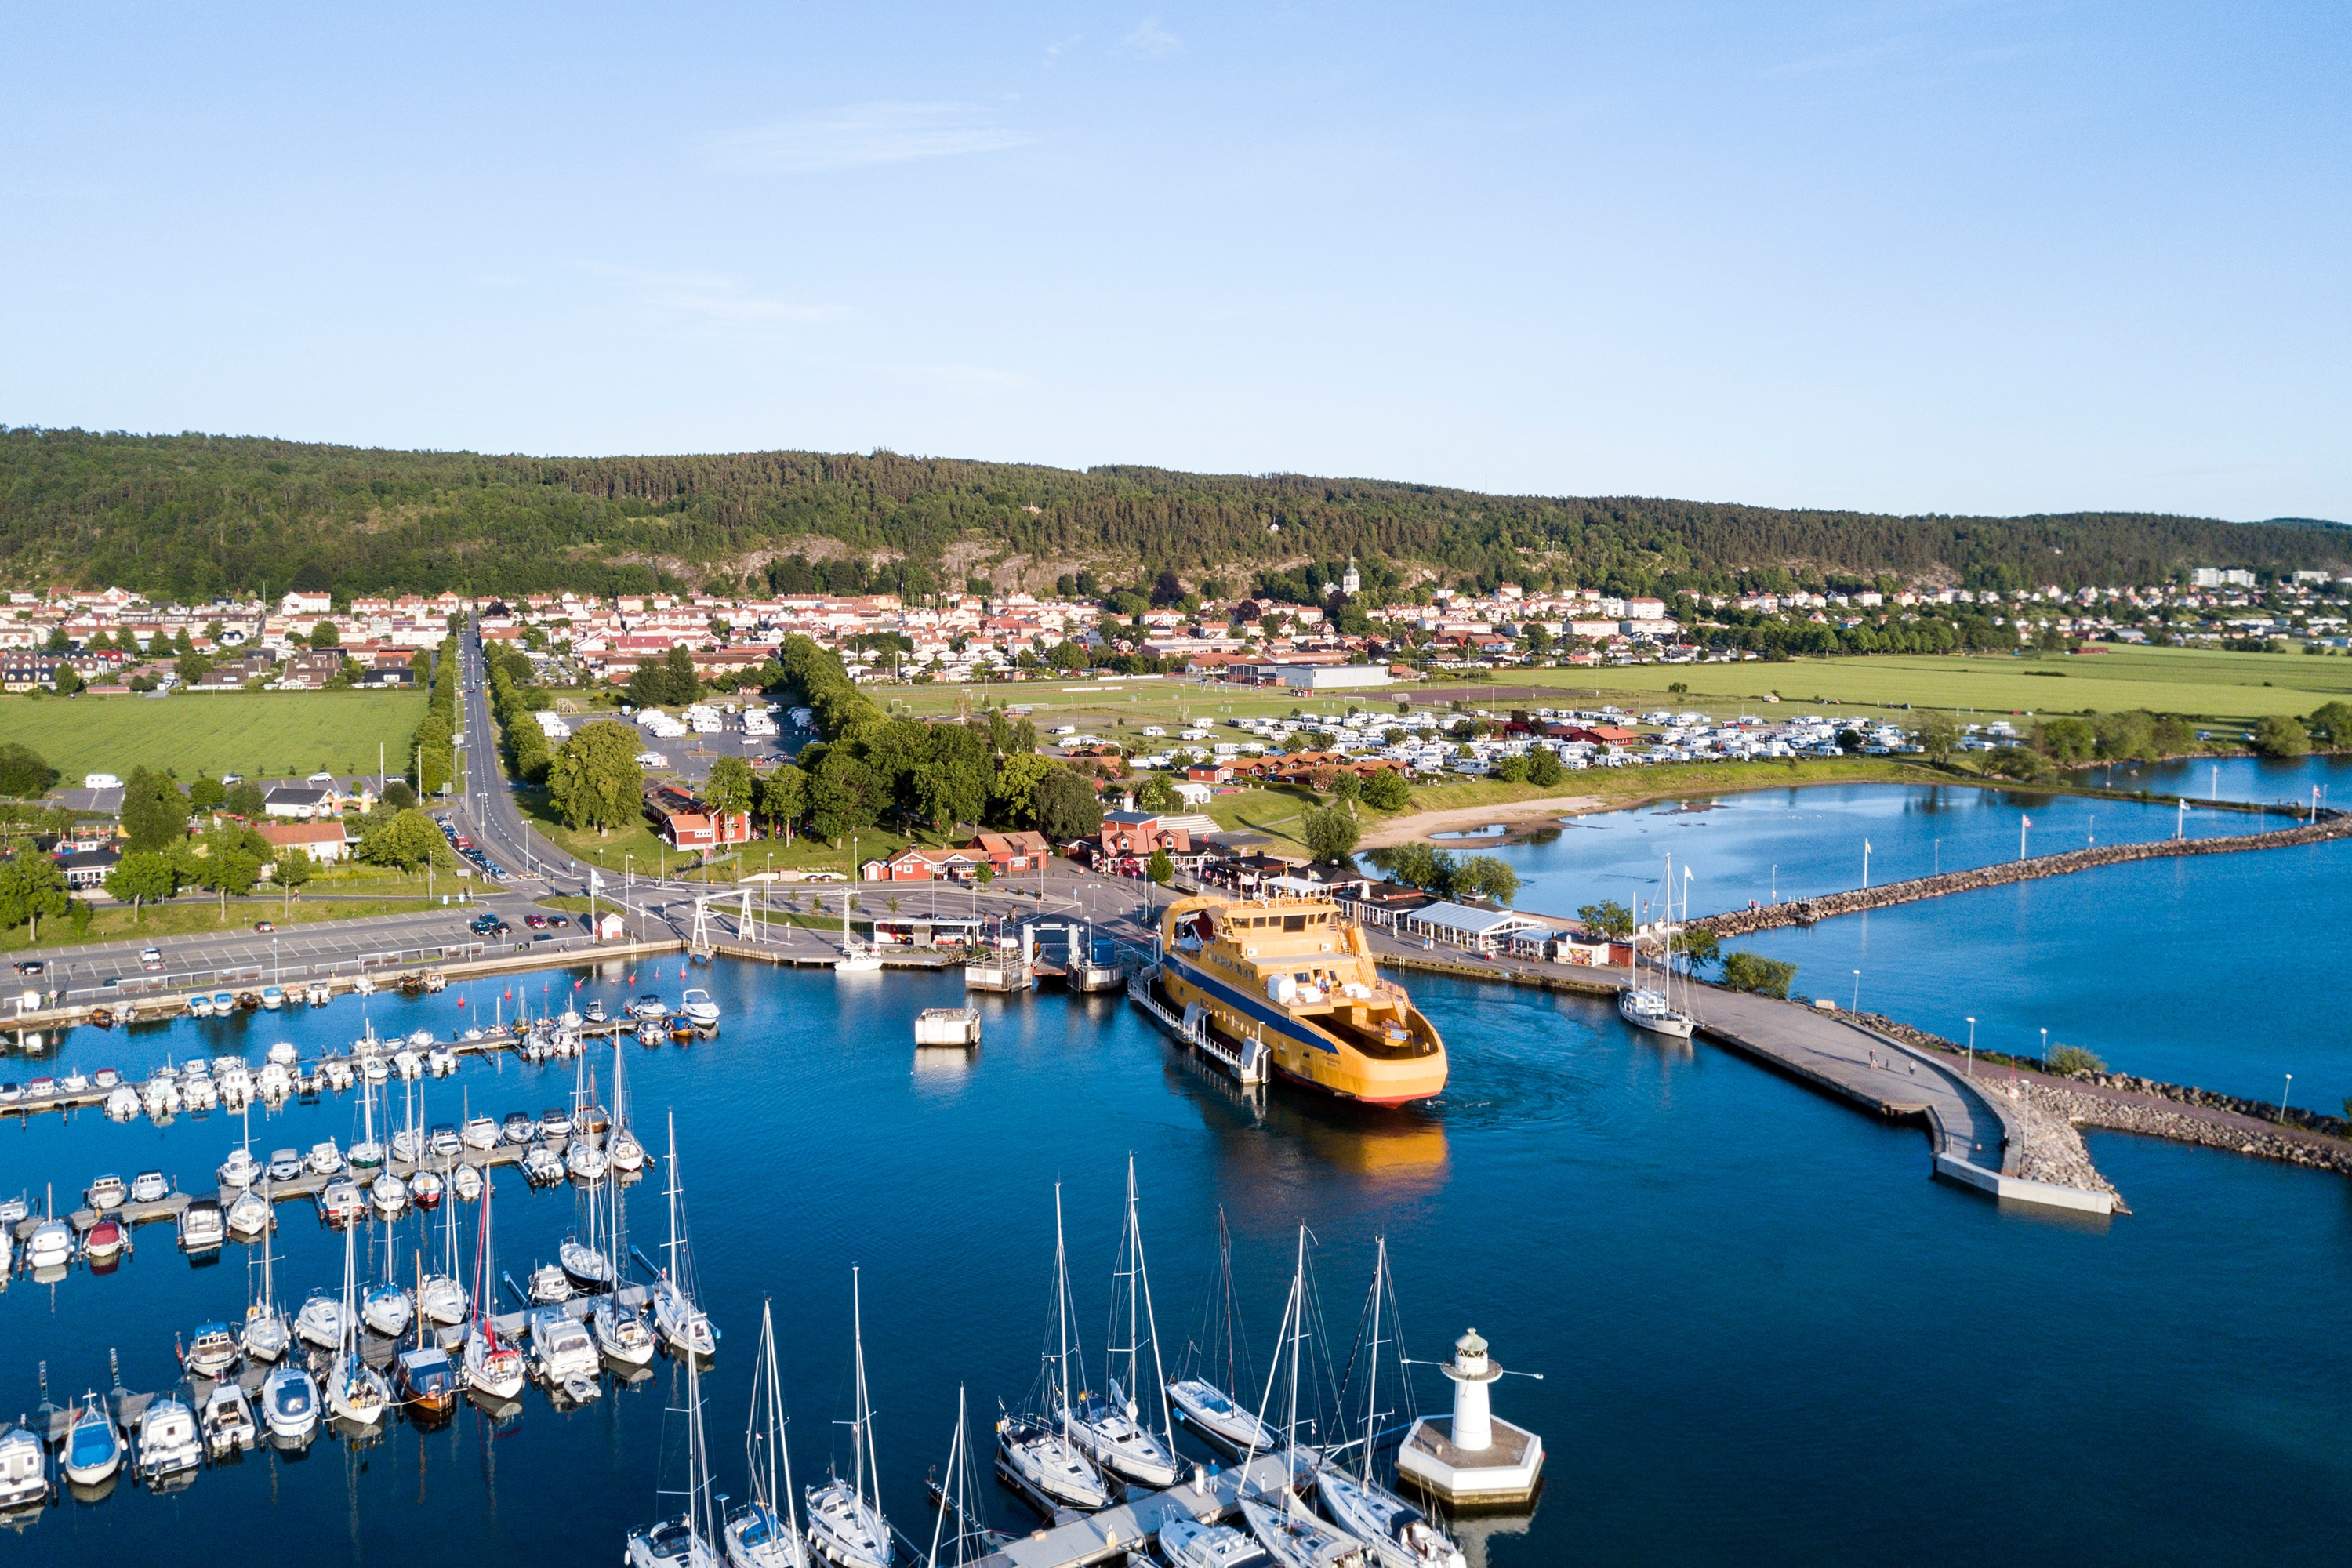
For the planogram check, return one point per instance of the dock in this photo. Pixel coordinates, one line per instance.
(1112, 1535)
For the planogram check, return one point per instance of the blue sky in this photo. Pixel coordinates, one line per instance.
(1920, 257)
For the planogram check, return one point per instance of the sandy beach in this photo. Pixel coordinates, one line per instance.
(1421, 825)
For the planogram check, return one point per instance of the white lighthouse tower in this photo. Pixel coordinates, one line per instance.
(1473, 1458)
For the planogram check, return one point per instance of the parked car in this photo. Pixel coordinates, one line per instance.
(537, 922)
(263, 927)
(31, 966)
(152, 957)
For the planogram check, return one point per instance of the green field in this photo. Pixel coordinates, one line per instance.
(262, 734)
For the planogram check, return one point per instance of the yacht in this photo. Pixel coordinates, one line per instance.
(441, 1301)
(466, 1181)
(247, 1214)
(319, 1322)
(1294, 1538)
(1291, 978)
(227, 1422)
(755, 1536)
(203, 1225)
(492, 1366)
(356, 1392)
(1039, 1456)
(290, 1403)
(425, 1189)
(386, 1310)
(548, 1286)
(429, 1379)
(1651, 1007)
(389, 1194)
(649, 1006)
(628, 1154)
(51, 1244)
(584, 1161)
(584, 1264)
(845, 1518)
(1210, 1409)
(482, 1132)
(1189, 1543)
(212, 1351)
(105, 1194)
(93, 1447)
(325, 1159)
(681, 1321)
(24, 1469)
(560, 1346)
(1398, 1534)
(265, 1333)
(698, 1009)
(169, 1442)
(240, 1169)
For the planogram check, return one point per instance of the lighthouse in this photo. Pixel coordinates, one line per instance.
(1472, 1458)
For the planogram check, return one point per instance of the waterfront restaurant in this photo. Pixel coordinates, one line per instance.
(1468, 926)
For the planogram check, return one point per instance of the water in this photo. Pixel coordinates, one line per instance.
(2197, 970)
(1756, 1316)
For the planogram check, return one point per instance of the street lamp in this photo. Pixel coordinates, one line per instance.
(1972, 1048)
(1857, 990)
(2045, 1047)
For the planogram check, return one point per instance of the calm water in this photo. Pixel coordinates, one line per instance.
(2194, 970)
(1766, 1335)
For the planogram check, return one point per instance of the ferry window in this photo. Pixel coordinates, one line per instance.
(1294, 922)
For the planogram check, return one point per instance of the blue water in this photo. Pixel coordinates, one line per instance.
(1764, 1333)
(2201, 970)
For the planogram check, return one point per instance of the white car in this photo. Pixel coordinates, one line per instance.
(652, 759)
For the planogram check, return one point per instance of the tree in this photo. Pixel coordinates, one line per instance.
(1330, 833)
(844, 797)
(1544, 767)
(1753, 971)
(1159, 869)
(2277, 735)
(1514, 770)
(398, 794)
(1697, 948)
(154, 812)
(2331, 721)
(291, 870)
(1156, 793)
(245, 799)
(594, 781)
(783, 797)
(67, 680)
(648, 686)
(207, 794)
(31, 886)
(682, 683)
(1066, 806)
(1939, 736)
(139, 879)
(1347, 788)
(730, 788)
(1388, 791)
(25, 774)
(1607, 918)
(1013, 790)
(324, 634)
(404, 838)
(1485, 877)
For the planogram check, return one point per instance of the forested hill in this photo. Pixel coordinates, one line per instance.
(189, 516)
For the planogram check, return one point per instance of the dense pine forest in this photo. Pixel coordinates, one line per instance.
(187, 517)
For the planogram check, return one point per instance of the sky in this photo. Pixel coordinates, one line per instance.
(1916, 258)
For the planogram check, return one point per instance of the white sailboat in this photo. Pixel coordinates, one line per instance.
(493, 1367)
(583, 1261)
(857, 957)
(265, 1333)
(1651, 1007)
(355, 1391)
(846, 1524)
(1398, 1534)
(756, 1536)
(1292, 1536)
(1037, 1454)
(387, 1308)
(440, 1299)
(686, 1541)
(1200, 1396)
(683, 1323)
(960, 1528)
(627, 1155)
(1113, 1430)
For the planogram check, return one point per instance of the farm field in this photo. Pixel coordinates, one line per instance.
(262, 734)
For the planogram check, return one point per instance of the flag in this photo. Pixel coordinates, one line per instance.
(2025, 821)
(1866, 848)
(595, 881)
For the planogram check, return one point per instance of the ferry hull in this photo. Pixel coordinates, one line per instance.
(1303, 1055)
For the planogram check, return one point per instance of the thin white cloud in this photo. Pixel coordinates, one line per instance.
(863, 134)
(1149, 40)
(713, 296)
(972, 375)
(1055, 50)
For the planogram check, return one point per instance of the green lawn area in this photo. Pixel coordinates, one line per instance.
(262, 734)
(194, 917)
(636, 847)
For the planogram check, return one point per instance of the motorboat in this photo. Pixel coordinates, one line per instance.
(273, 997)
(560, 1346)
(651, 1032)
(649, 1006)
(425, 1189)
(150, 1187)
(321, 1321)
(1190, 1544)
(200, 1006)
(106, 1194)
(203, 1225)
(212, 1351)
(227, 1422)
(387, 1310)
(24, 1469)
(199, 1093)
(409, 1064)
(290, 1403)
(107, 1240)
(467, 1181)
(1398, 1534)
(1037, 1459)
(595, 1013)
(248, 1214)
(338, 1072)
(482, 1132)
(162, 1094)
(373, 1069)
(14, 1211)
(51, 1244)
(698, 1009)
(549, 1286)
(442, 1060)
(542, 1166)
(286, 1165)
(442, 1142)
(273, 1083)
(555, 1122)
(1218, 1416)
(1294, 1538)
(341, 1201)
(427, 1379)
(169, 1442)
(74, 1082)
(282, 1053)
(93, 1445)
(122, 1103)
(317, 993)
(442, 1300)
(240, 1169)
(389, 1194)
(518, 1127)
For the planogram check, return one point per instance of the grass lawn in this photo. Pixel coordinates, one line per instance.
(195, 917)
(636, 847)
(262, 734)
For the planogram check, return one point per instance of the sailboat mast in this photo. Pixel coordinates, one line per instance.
(776, 1445)
(1372, 1381)
(673, 1197)
(862, 1433)
(1151, 1318)
(1297, 1333)
(1062, 1307)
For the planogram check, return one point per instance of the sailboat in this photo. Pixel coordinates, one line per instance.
(755, 1536)
(684, 1541)
(684, 1325)
(857, 957)
(1398, 1534)
(387, 1308)
(585, 1262)
(355, 1391)
(366, 1156)
(440, 1299)
(1652, 1008)
(627, 1154)
(846, 1524)
(1199, 1398)
(1037, 1455)
(961, 1529)
(265, 1332)
(492, 1366)
(1111, 1429)
(1293, 1537)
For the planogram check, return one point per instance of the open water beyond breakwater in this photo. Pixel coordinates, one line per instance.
(2201, 971)
(1766, 1334)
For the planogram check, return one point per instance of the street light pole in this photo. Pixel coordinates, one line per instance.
(1857, 991)
(1972, 1048)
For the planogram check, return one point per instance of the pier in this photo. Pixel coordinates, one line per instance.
(1112, 1535)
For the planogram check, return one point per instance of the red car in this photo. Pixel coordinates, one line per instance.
(263, 927)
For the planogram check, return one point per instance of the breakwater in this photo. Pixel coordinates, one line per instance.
(2326, 825)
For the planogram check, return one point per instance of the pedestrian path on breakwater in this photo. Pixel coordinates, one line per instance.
(1975, 1138)
(2325, 824)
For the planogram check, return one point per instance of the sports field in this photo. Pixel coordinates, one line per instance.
(262, 734)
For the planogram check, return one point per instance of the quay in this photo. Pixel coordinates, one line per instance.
(1116, 1533)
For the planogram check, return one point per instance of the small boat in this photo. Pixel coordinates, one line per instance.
(203, 1225)
(549, 1286)
(200, 1006)
(621, 1333)
(290, 1403)
(595, 1013)
(24, 1469)
(680, 1029)
(249, 1215)
(122, 1103)
(389, 1194)
(107, 1239)
(223, 1004)
(408, 1063)
(317, 993)
(227, 1422)
(584, 1161)
(698, 1009)
(427, 1379)
(1294, 1538)
(240, 1169)
(542, 1166)
(560, 1347)
(212, 1351)
(1189, 1543)
(51, 1244)
(628, 1154)
(106, 1194)
(283, 1054)
(386, 1310)
(93, 1447)
(441, 1061)
(272, 998)
(586, 1265)
(363, 984)
(321, 1321)
(467, 1181)
(425, 1189)
(649, 1006)
(482, 1132)
(650, 1033)
(325, 1159)
(169, 1442)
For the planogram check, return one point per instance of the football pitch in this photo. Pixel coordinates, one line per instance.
(261, 734)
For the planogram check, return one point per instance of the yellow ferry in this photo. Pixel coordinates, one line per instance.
(1291, 974)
